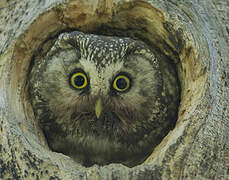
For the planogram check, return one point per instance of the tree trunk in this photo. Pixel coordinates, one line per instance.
(193, 34)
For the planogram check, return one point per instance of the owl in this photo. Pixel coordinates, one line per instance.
(103, 99)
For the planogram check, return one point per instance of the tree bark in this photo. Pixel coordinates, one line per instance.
(193, 34)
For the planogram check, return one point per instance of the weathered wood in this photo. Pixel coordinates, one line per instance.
(194, 34)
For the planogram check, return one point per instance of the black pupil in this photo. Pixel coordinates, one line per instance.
(121, 83)
(79, 80)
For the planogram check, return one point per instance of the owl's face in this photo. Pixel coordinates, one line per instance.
(109, 88)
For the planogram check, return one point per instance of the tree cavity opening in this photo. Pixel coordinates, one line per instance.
(136, 20)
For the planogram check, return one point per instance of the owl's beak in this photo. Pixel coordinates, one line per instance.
(98, 107)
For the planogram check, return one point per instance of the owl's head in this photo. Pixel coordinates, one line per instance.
(111, 87)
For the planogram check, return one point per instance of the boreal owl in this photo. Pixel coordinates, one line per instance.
(103, 99)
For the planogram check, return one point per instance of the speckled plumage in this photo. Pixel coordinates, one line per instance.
(131, 123)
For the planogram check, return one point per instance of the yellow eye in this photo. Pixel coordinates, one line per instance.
(78, 80)
(121, 83)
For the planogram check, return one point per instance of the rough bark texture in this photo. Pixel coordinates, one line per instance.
(194, 34)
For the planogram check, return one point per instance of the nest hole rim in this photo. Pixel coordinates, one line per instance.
(19, 101)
